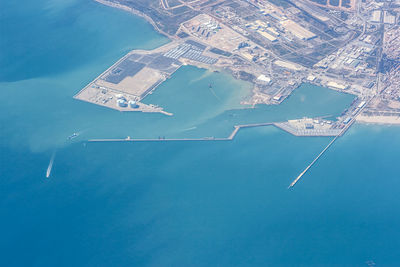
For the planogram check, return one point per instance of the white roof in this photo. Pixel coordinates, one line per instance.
(263, 78)
(311, 78)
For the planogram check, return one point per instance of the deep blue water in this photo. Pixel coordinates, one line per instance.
(177, 203)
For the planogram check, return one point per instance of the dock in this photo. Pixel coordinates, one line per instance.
(132, 78)
(307, 132)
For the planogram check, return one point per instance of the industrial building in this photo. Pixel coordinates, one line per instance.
(389, 18)
(122, 103)
(190, 50)
(347, 120)
(287, 65)
(263, 79)
(361, 104)
(311, 78)
(133, 104)
(309, 126)
(297, 30)
(273, 31)
(376, 16)
(336, 85)
(267, 36)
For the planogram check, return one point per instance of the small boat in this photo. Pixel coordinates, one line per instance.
(72, 136)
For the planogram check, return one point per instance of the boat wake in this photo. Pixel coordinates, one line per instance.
(48, 172)
(213, 92)
(189, 129)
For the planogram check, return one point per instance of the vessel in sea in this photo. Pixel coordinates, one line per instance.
(72, 136)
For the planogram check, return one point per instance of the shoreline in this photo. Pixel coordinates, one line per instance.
(173, 39)
(135, 12)
(256, 96)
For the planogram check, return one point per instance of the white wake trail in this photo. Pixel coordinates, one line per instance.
(48, 172)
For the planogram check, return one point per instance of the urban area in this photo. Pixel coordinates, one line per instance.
(345, 45)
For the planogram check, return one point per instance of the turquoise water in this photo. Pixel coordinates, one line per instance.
(177, 203)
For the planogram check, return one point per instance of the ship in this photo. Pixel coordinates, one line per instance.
(72, 136)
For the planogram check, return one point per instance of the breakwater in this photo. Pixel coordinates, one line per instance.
(161, 139)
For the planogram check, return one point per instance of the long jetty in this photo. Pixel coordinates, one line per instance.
(233, 134)
(229, 138)
(312, 163)
(336, 137)
(237, 128)
(323, 151)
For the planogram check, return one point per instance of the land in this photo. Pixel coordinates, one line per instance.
(345, 5)
(347, 46)
(126, 83)
(379, 119)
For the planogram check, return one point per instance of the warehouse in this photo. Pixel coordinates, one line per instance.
(297, 30)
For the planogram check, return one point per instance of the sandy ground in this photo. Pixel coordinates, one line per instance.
(379, 119)
(136, 85)
(224, 39)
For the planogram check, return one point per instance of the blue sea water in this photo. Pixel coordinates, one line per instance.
(177, 203)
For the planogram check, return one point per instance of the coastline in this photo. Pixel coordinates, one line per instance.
(257, 95)
(135, 12)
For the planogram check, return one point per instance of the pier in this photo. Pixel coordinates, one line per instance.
(324, 150)
(237, 128)
(159, 139)
(229, 138)
(312, 163)
(280, 125)
(347, 126)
